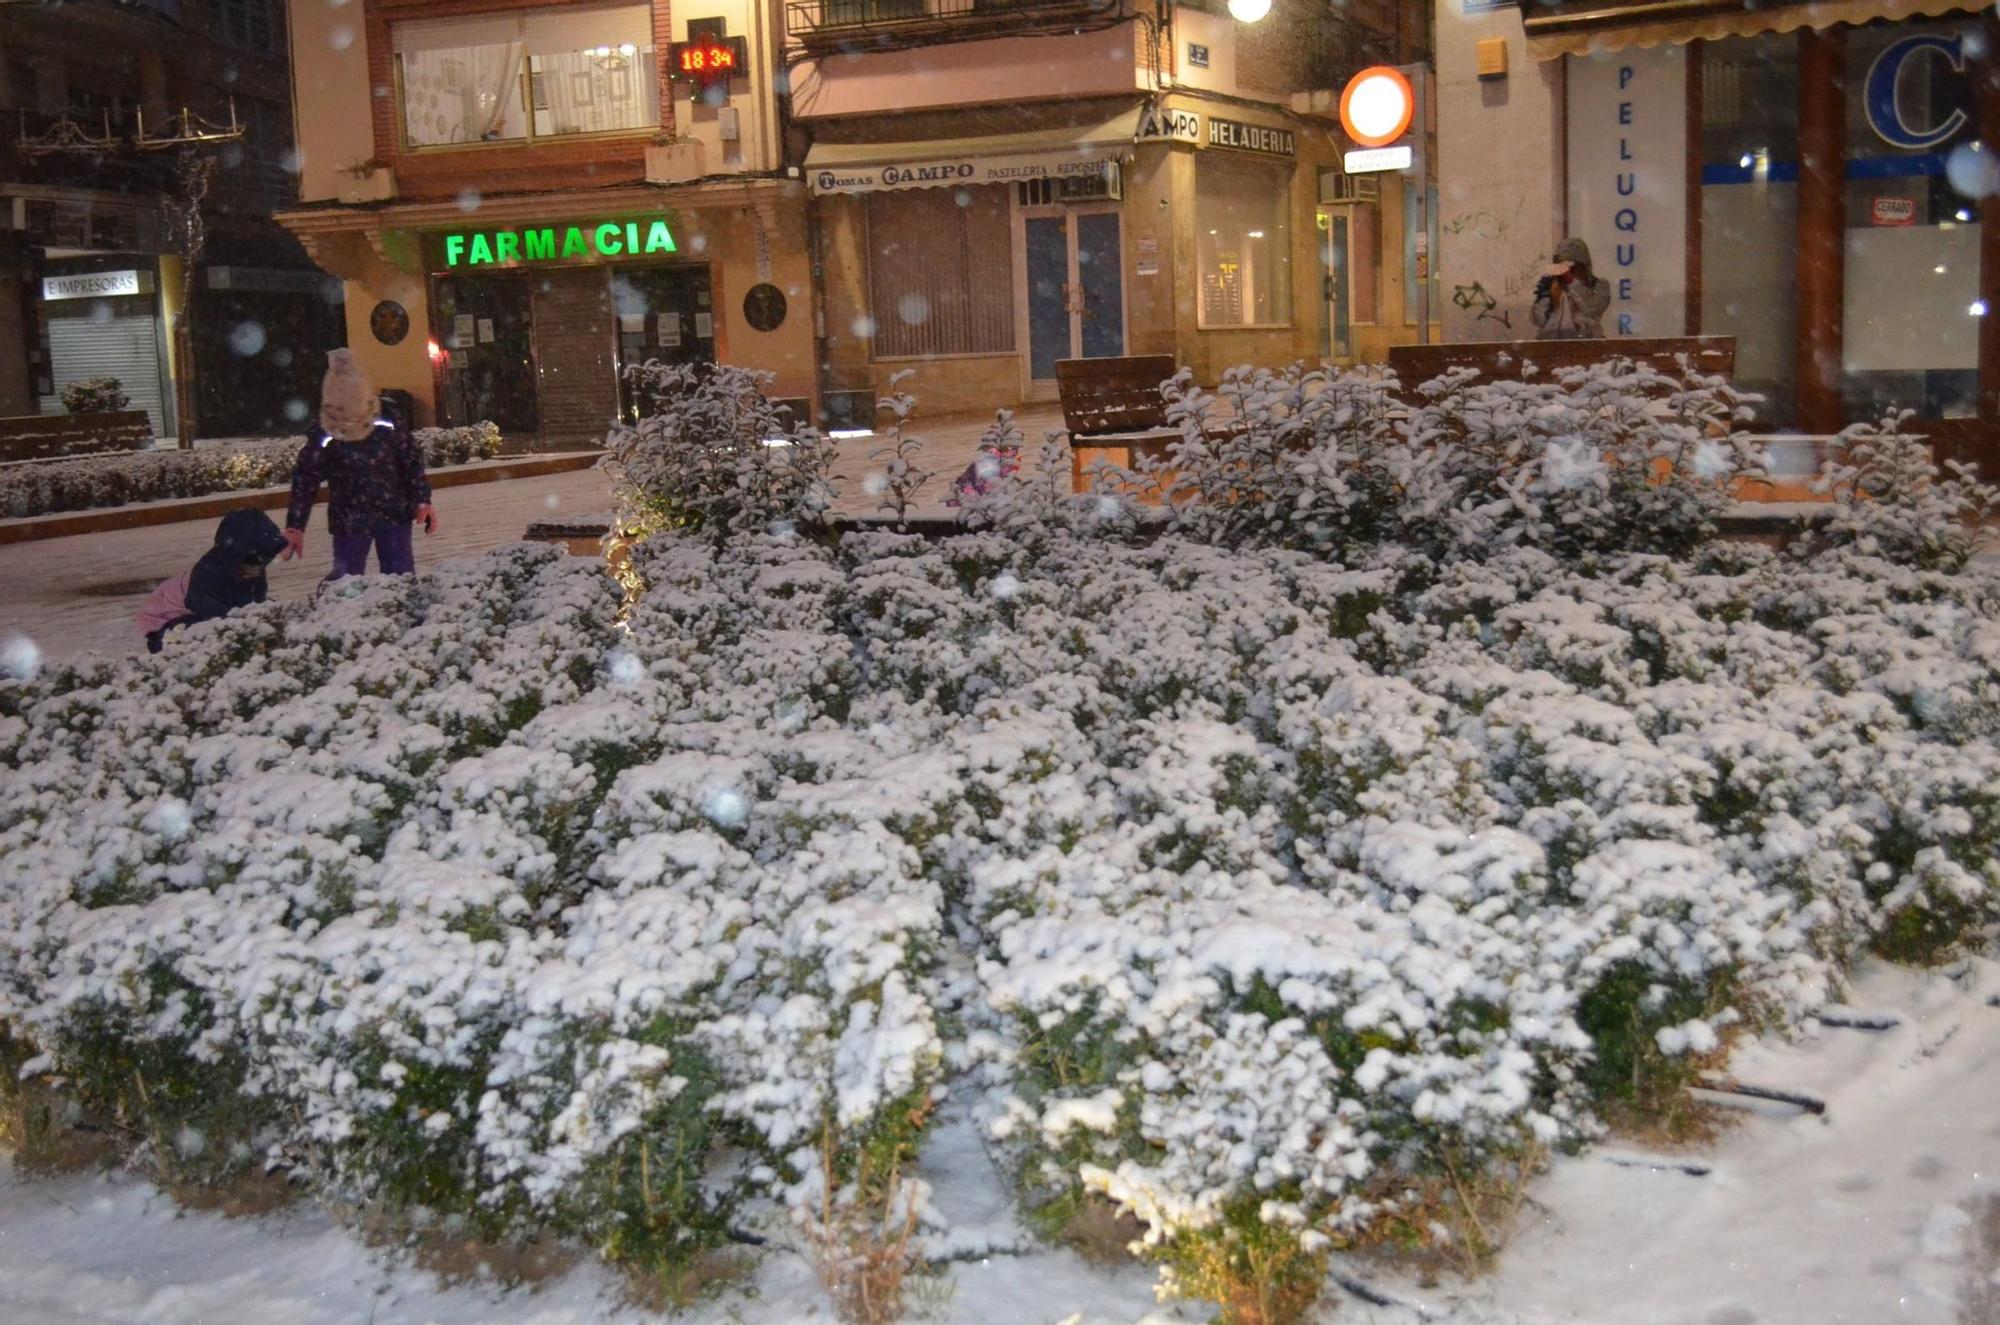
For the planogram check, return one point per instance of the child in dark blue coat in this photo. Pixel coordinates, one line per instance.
(228, 576)
(374, 473)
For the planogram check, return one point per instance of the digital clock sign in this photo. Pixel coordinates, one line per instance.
(710, 60)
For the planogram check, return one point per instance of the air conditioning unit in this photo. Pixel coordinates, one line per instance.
(1338, 187)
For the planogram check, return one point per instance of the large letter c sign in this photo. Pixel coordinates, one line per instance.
(1885, 114)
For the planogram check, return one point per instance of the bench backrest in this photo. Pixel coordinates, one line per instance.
(1509, 360)
(1113, 395)
(43, 436)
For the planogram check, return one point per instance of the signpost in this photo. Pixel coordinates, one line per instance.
(1378, 107)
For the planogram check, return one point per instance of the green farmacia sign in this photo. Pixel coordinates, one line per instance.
(606, 239)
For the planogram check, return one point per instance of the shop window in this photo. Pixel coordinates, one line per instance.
(1365, 261)
(486, 327)
(1750, 212)
(1910, 333)
(941, 272)
(1243, 241)
(541, 74)
(665, 315)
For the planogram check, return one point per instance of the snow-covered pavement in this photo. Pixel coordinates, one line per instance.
(1857, 1217)
(72, 595)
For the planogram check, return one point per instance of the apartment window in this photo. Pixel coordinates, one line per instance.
(1243, 234)
(253, 25)
(941, 272)
(542, 74)
(19, 92)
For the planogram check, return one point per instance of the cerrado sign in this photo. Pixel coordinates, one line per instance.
(586, 241)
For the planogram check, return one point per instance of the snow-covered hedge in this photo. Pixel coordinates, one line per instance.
(87, 483)
(1273, 897)
(1257, 888)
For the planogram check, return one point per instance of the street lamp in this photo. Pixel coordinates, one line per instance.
(1248, 11)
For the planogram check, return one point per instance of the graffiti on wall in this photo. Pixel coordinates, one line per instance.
(1483, 306)
(1488, 244)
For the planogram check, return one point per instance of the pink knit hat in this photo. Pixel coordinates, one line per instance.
(348, 404)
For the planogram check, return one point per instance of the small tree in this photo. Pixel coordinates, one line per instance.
(1276, 457)
(902, 478)
(1891, 498)
(711, 455)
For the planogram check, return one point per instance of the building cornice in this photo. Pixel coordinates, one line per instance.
(759, 191)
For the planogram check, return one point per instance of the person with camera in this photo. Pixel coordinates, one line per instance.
(1570, 299)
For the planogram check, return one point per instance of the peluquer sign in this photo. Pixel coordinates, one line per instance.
(1628, 183)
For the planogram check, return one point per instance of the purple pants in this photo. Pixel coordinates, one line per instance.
(393, 552)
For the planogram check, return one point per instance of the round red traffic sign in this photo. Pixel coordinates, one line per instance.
(1376, 106)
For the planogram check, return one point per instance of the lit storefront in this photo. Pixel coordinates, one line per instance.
(1819, 181)
(550, 195)
(1219, 233)
(103, 317)
(531, 317)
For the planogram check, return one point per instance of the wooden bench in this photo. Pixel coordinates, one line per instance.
(48, 436)
(1114, 411)
(1713, 356)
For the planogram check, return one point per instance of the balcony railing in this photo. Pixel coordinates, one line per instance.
(819, 25)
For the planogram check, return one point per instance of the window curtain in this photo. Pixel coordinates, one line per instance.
(467, 94)
(586, 92)
(461, 80)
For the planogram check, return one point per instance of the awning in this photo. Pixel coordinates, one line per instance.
(1001, 158)
(1585, 28)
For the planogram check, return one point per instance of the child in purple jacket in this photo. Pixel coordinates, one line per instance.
(374, 472)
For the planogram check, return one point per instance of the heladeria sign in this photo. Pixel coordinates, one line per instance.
(1243, 137)
(557, 243)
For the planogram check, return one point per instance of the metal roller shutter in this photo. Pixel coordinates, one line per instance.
(125, 346)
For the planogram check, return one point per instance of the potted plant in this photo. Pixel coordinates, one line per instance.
(95, 395)
(98, 417)
(373, 180)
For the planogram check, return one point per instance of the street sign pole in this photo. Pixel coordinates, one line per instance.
(1420, 81)
(1379, 105)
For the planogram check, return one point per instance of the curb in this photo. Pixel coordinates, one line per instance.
(215, 505)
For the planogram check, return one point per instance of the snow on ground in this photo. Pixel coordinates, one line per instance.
(99, 1250)
(1855, 1218)
(71, 595)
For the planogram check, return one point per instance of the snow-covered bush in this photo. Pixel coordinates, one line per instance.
(1892, 499)
(711, 454)
(89, 482)
(1288, 900)
(1607, 458)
